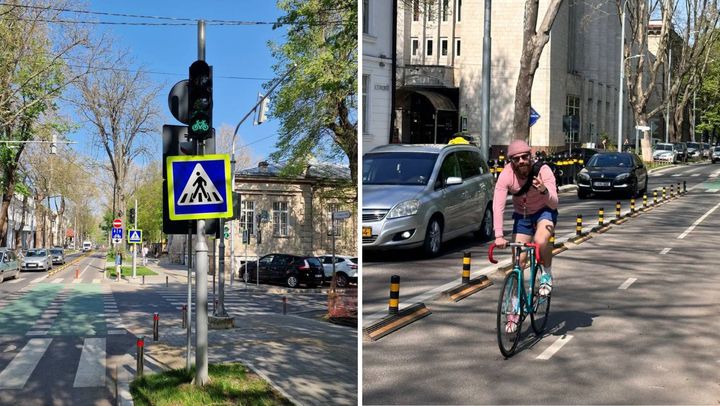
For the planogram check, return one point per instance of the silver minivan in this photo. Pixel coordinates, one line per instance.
(9, 267)
(422, 195)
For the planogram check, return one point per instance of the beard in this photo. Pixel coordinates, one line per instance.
(522, 169)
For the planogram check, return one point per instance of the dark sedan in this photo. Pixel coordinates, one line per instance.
(291, 270)
(620, 172)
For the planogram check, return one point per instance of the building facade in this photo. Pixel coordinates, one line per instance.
(377, 68)
(575, 90)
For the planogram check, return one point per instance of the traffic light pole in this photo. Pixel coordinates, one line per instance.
(135, 245)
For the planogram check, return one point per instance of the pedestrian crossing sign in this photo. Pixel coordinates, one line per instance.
(134, 236)
(199, 187)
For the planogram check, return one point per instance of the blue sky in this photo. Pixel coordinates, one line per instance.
(232, 50)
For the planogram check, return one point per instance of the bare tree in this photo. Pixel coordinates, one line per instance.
(119, 104)
(534, 40)
(223, 144)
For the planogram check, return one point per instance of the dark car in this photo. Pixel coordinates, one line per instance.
(608, 172)
(291, 270)
(58, 255)
(582, 153)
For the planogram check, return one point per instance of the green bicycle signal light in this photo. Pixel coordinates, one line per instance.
(200, 101)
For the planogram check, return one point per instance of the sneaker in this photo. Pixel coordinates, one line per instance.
(545, 285)
(512, 323)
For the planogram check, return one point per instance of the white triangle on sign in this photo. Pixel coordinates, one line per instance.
(199, 189)
(134, 236)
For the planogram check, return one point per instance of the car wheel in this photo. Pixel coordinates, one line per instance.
(341, 280)
(433, 238)
(292, 281)
(644, 189)
(582, 194)
(485, 232)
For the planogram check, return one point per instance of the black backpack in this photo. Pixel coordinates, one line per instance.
(557, 172)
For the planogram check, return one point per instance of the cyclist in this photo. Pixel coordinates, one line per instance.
(535, 202)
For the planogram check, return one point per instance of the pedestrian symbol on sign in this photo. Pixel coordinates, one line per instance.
(199, 189)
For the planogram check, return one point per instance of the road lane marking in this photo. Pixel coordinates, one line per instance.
(695, 174)
(627, 283)
(91, 368)
(555, 347)
(39, 279)
(698, 221)
(665, 251)
(57, 281)
(16, 280)
(21, 367)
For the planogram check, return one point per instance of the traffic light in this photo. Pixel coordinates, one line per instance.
(226, 230)
(261, 110)
(131, 215)
(200, 101)
(53, 144)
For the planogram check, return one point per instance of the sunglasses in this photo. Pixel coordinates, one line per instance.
(522, 157)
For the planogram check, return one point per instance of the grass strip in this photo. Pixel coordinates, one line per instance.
(230, 384)
(126, 270)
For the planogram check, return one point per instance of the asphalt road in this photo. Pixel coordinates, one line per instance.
(419, 276)
(633, 320)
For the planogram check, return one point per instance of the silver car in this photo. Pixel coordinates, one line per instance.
(36, 259)
(423, 195)
(9, 267)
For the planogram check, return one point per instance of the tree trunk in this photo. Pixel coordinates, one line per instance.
(7, 194)
(39, 233)
(19, 234)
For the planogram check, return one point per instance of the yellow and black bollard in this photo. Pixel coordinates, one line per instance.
(654, 197)
(617, 210)
(394, 295)
(466, 268)
(672, 191)
(601, 217)
(632, 205)
(578, 225)
(664, 196)
(645, 201)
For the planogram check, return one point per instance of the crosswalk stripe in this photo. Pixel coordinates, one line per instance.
(91, 368)
(21, 367)
(57, 281)
(695, 174)
(676, 175)
(16, 280)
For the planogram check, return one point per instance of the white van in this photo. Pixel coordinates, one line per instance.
(87, 246)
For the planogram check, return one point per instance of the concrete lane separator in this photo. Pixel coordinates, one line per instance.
(697, 222)
(466, 289)
(392, 323)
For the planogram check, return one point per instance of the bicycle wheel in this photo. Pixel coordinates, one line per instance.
(509, 304)
(540, 305)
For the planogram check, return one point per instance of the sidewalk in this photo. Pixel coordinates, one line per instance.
(309, 361)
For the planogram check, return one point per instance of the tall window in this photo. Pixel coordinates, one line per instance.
(365, 104)
(572, 109)
(415, 46)
(443, 46)
(416, 10)
(458, 12)
(366, 16)
(333, 207)
(247, 216)
(457, 47)
(429, 48)
(445, 9)
(280, 219)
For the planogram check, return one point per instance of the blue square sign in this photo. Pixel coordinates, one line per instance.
(199, 187)
(117, 233)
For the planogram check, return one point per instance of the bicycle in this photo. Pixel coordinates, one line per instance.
(515, 300)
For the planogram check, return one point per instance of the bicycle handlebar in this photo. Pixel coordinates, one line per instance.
(533, 245)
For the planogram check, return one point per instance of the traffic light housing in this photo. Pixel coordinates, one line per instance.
(200, 101)
(131, 215)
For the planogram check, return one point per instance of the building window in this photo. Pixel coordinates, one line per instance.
(280, 219)
(416, 10)
(572, 110)
(247, 216)
(333, 207)
(457, 47)
(429, 49)
(443, 46)
(430, 13)
(366, 16)
(445, 9)
(365, 104)
(459, 10)
(415, 46)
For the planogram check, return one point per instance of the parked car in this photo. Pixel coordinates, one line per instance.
(9, 267)
(345, 269)
(694, 150)
(667, 152)
(622, 172)
(682, 151)
(293, 270)
(58, 255)
(715, 154)
(424, 195)
(36, 259)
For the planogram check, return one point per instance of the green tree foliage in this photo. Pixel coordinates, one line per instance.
(317, 104)
(708, 103)
(149, 205)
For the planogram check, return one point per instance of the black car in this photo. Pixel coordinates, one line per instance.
(608, 172)
(291, 270)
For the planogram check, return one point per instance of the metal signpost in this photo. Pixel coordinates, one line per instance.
(338, 215)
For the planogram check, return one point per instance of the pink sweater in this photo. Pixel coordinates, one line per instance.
(530, 202)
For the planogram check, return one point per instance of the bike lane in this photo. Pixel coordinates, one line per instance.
(633, 320)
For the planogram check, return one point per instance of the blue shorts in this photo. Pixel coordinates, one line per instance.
(528, 225)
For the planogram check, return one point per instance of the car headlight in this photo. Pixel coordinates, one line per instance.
(406, 208)
(583, 175)
(622, 176)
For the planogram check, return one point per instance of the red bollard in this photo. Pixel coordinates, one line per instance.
(77, 273)
(284, 304)
(140, 356)
(156, 321)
